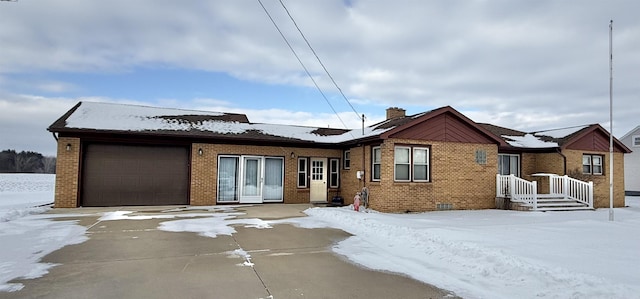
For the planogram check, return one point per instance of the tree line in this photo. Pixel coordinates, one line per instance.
(26, 161)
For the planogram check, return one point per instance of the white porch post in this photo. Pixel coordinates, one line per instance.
(565, 186)
(512, 185)
(591, 195)
(535, 195)
(498, 186)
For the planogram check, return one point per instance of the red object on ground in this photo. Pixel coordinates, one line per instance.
(356, 202)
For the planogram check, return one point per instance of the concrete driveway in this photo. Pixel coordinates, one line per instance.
(133, 259)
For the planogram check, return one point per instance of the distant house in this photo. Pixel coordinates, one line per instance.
(116, 155)
(632, 162)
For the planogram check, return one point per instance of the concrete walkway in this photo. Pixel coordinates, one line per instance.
(133, 259)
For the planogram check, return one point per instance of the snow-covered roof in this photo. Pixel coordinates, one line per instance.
(528, 141)
(118, 117)
(560, 133)
(540, 139)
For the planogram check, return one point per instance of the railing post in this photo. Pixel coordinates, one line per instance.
(498, 186)
(565, 186)
(512, 185)
(591, 195)
(535, 195)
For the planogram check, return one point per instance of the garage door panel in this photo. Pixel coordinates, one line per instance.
(115, 175)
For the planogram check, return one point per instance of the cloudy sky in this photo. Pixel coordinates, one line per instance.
(527, 65)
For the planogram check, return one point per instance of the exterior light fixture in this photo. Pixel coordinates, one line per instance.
(68, 147)
(293, 155)
(200, 152)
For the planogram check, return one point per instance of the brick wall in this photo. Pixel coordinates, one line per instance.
(547, 163)
(67, 172)
(204, 168)
(456, 178)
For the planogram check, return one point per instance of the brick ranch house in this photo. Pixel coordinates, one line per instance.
(116, 155)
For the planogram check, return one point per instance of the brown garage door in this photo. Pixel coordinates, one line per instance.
(118, 175)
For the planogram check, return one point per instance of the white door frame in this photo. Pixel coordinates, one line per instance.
(256, 197)
(318, 188)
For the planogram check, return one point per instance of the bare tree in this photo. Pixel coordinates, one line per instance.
(8, 161)
(11, 161)
(49, 164)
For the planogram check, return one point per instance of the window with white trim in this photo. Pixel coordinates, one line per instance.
(334, 173)
(635, 141)
(376, 159)
(347, 159)
(302, 173)
(592, 164)
(411, 164)
(420, 164)
(402, 163)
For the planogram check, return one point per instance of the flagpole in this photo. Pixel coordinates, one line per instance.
(611, 120)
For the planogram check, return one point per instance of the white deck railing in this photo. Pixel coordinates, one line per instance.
(519, 190)
(570, 188)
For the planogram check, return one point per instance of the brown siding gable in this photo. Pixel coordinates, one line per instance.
(443, 124)
(594, 138)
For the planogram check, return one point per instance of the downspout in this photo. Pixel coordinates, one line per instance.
(564, 160)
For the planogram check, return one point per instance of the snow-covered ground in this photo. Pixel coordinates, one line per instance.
(476, 254)
(26, 236)
(498, 254)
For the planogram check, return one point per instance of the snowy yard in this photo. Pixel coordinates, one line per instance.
(476, 254)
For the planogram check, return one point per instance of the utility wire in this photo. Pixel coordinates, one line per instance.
(318, 58)
(302, 64)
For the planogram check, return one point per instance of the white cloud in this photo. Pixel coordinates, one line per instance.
(519, 64)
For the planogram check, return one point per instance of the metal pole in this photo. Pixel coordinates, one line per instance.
(611, 120)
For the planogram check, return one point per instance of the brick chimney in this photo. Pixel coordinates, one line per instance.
(395, 112)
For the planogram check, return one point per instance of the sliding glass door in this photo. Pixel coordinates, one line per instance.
(273, 179)
(228, 170)
(250, 179)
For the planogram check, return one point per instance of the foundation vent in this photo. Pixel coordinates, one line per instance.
(444, 206)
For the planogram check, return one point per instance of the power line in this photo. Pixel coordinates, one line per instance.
(301, 63)
(318, 58)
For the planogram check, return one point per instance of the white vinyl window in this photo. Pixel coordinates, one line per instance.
(402, 163)
(334, 173)
(347, 159)
(592, 164)
(635, 141)
(302, 173)
(411, 164)
(420, 164)
(376, 159)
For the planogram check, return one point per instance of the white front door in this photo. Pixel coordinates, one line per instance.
(251, 182)
(318, 180)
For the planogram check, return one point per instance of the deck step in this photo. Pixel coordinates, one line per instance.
(585, 208)
(561, 204)
(558, 204)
